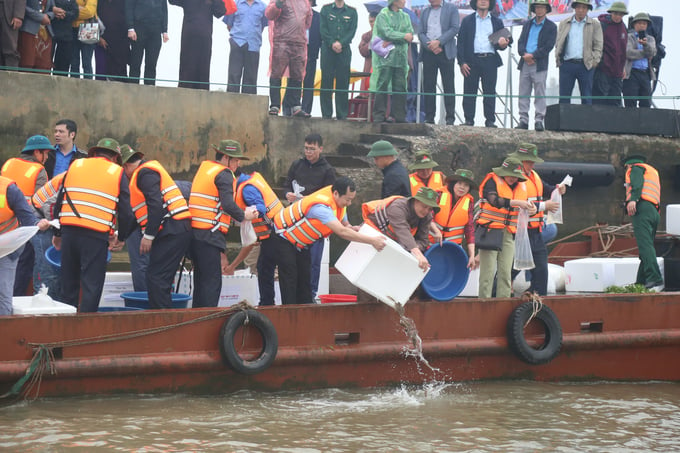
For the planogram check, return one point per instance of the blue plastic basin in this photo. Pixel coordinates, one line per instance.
(140, 299)
(448, 272)
(53, 256)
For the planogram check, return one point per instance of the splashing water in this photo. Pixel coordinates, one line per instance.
(411, 332)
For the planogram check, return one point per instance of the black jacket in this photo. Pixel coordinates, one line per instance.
(52, 160)
(395, 181)
(466, 39)
(63, 31)
(150, 12)
(311, 176)
(546, 42)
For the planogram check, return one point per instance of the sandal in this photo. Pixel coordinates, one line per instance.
(299, 113)
(273, 110)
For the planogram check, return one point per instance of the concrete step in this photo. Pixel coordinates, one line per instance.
(353, 149)
(344, 161)
(413, 129)
(396, 141)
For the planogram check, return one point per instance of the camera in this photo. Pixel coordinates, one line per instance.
(642, 34)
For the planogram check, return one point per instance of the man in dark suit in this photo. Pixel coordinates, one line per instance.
(438, 53)
(478, 59)
(535, 44)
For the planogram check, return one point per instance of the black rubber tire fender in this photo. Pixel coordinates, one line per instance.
(270, 342)
(518, 343)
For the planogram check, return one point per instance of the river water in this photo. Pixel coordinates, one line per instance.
(471, 417)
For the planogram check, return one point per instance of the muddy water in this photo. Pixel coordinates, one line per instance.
(482, 417)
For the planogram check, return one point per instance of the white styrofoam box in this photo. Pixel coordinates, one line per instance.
(391, 275)
(37, 305)
(625, 270)
(673, 219)
(472, 286)
(323, 279)
(115, 284)
(326, 256)
(238, 287)
(589, 274)
(556, 277)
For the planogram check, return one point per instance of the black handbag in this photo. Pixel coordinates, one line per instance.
(488, 238)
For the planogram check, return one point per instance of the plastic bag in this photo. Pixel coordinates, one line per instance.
(248, 235)
(524, 260)
(556, 217)
(297, 189)
(9, 242)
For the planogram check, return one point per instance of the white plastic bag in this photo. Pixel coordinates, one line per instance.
(248, 235)
(9, 242)
(524, 260)
(556, 217)
(297, 189)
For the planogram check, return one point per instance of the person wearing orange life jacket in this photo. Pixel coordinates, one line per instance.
(408, 221)
(94, 197)
(423, 175)
(28, 172)
(502, 193)
(253, 190)
(311, 218)
(643, 199)
(14, 211)
(455, 216)
(163, 215)
(538, 192)
(212, 208)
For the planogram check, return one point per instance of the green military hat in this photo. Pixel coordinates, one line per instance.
(382, 148)
(429, 197)
(618, 7)
(127, 152)
(510, 167)
(464, 175)
(527, 151)
(634, 159)
(106, 144)
(231, 148)
(642, 16)
(37, 142)
(423, 160)
(545, 3)
(588, 3)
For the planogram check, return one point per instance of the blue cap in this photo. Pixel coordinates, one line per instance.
(37, 142)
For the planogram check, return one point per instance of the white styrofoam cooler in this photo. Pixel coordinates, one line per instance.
(472, 286)
(673, 219)
(40, 305)
(596, 274)
(391, 275)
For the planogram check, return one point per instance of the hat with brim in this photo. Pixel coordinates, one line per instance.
(422, 161)
(106, 144)
(634, 159)
(428, 197)
(527, 151)
(230, 148)
(588, 3)
(510, 167)
(618, 7)
(492, 4)
(37, 142)
(127, 152)
(382, 148)
(462, 175)
(642, 16)
(545, 3)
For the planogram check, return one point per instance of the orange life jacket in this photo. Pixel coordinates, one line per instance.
(24, 173)
(173, 200)
(500, 217)
(651, 189)
(204, 202)
(261, 225)
(534, 185)
(48, 192)
(437, 181)
(292, 222)
(451, 219)
(92, 187)
(379, 209)
(8, 220)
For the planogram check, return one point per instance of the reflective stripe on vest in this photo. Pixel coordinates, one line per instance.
(261, 225)
(24, 173)
(534, 185)
(500, 217)
(48, 192)
(437, 182)
(8, 220)
(378, 208)
(651, 189)
(204, 202)
(292, 222)
(451, 220)
(173, 201)
(92, 186)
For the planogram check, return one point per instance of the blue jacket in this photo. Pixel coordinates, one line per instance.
(546, 42)
(466, 39)
(450, 23)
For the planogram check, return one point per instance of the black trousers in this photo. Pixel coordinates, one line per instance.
(24, 272)
(243, 67)
(164, 260)
(61, 55)
(432, 64)
(207, 273)
(83, 266)
(294, 272)
(605, 85)
(484, 69)
(308, 85)
(638, 85)
(266, 268)
(539, 274)
(292, 96)
(147, 47)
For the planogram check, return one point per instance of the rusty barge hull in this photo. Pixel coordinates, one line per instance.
(629, 337)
